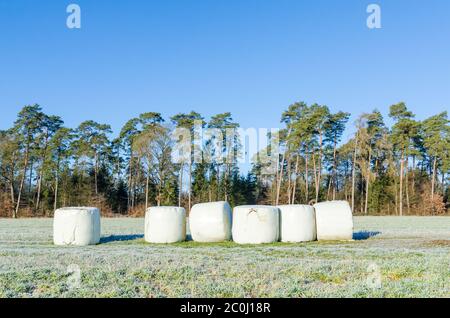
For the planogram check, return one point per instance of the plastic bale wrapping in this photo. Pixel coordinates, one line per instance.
(76, 226)
(165, 224)
(210, 222)
(255, 224)
(298, 223)
(334, 221)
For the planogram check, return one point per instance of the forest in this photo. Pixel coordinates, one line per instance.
(398, 170)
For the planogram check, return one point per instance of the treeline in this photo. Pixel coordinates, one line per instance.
(398, 170)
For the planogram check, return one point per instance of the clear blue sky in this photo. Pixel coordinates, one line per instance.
(250, 57)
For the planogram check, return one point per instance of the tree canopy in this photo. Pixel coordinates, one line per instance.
(398, 170)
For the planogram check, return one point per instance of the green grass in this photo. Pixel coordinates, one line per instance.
(411, 255)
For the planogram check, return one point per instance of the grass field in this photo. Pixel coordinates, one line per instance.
(390, 257)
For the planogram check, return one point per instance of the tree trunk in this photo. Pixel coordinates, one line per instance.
(11, 189)
(306, 178)
(280, 176)
(30, 181)
(295, 180)
(443, 183)
(407, 186)
(180, 190)
(227, 179)
(280, 179)
(401, 185)
(190, 186)
(334, 169)
(361, 190)
(413, 186)
(316, 183)
(38, 198)
(11, 184)
(160, 185)
(354, 173)
(130, 180)
(330, 180)
(218, 181)
(396, 195)
(22, 181)
(96, 173)
(147, 181)
(346, 179)
(289, 179)
(41, 172)
(136, 181)
(366, 204)
(433, 178)
(319, 165)
(55, 200)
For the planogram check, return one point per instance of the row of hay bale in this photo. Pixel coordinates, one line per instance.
(214, 222)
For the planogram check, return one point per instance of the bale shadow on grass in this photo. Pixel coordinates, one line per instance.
(120, 238)
(364, 235)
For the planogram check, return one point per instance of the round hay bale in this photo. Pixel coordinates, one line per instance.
(165, 224)
(334, 221)
(76, 226)
(255, 224)
(210, 222)
(298, 223)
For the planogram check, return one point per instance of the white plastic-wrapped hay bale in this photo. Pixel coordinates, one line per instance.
(298, 223)
(255, 224)
(210, 222)
(334, 220)
(76, 226)
(165, 224)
